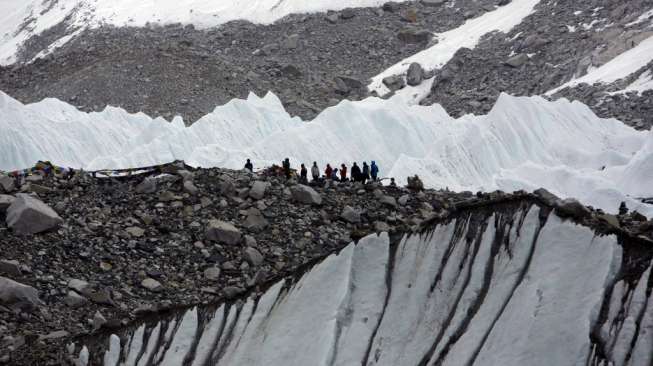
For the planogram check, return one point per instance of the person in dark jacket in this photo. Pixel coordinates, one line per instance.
(286, 168)
(366, 172)
(315, 171)
(303, 175)
(328, 171)
(334, 175)
(374, 171)
(249, 166)
(343, 172)
(355, 173)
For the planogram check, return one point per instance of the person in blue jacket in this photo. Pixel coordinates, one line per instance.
(374, 170)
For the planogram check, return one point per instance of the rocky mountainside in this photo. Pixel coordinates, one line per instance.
(314, 60)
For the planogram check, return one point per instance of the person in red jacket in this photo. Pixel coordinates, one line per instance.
(343, 172)
(328, 171)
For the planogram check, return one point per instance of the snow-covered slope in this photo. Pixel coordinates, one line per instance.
(21, 19)
(523, 143)
(505, 289)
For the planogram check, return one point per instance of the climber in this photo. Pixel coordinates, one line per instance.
(374, 170)
(328, 171)
(286, 168)
(366, 173)
(343, 172)
(303, 176)
(249, 166)
(334, 175)
(355, 173)
(315, 171)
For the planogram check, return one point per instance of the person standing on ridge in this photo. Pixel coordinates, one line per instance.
(366, 173)
(315, 172)
(334, 174)
(286, 168)
(303, 176)
(374, 170)
(343, 172)
(355, 173)
(249, 166)
(328, 171)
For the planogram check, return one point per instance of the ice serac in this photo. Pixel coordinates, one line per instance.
(502, 286)
(522, 143)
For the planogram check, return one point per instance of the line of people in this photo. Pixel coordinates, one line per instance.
(356, 174)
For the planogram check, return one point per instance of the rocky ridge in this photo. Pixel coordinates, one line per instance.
(132, 246)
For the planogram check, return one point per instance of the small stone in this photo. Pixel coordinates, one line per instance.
(190, 188)
(10, 267)
(74, 300)
(152, 285)
(223, 232)
(258, 189)
(212, 273)
(135, 232)
(305, 194)
(253, 257)
(350, 215)
(388, 201)
(98, 320)
(78, 285)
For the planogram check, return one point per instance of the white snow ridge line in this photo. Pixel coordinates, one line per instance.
(503, 19)
(522, 143)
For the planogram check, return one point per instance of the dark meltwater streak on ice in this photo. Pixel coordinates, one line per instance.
(489, 287)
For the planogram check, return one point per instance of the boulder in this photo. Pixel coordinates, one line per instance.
(212, 273)
(388, 201)
(253, 257)
(412, 35)
(255, 220)
(5, 202)
(14, 293)
(403, 200)
(350, 215)
(546, 196)
(433, 2)
(571, 208)
(7, 184)
(291, 42)
(10, 267)
(305, 194)
(394, 82)
(190, 188)
(517, 61)
(78, 285)
(223, 232)
(152, 284)
(74, 300)
(258, 190)
(28, 215)
(227, 187)
(414, 74)
(147, 186)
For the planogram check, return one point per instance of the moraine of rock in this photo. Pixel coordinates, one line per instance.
(28, 215)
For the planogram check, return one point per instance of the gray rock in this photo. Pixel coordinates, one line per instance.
(412, 35)
(546, 196)
(394, 82)
(186, 175)
(227, 187)
(78, 285)
(255, 220)
(571, 208)
(28, 215)
(223, 232)
(98, 320)
(253, 257)
(7, 183)
(332, 18)
(347, 13)
(305, 194)
(403, 200)
(10, 267)
(414, 74)
(517, 61)
(152, 284)
(351, 215)
(135, 231)
(74, 300)
(190, 188)
(147, 186)
(5, 202)
(291, 42)
(15, 293)
(212, 273)
(345, 84)
(388, 201)
(258, 189)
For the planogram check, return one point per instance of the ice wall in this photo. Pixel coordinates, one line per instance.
(499, 288)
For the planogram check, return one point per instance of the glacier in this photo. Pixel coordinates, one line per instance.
(504, 286)
(522, 143)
